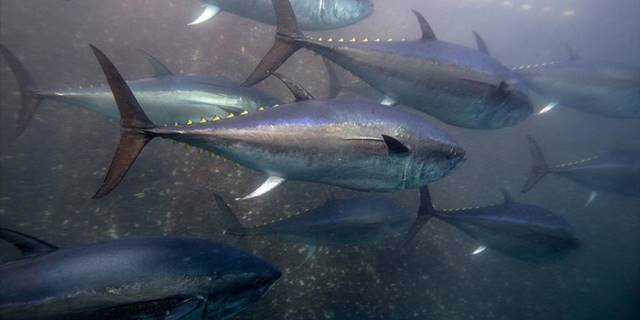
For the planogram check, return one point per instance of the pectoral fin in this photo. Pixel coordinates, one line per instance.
(388, 101)
(592, 197)
(184, 309)
(271, 183)
(395, 146)
(479, 250)
(209, 12)
(548, 108)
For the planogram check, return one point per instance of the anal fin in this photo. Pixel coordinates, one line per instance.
(271, 183)
(209, 12)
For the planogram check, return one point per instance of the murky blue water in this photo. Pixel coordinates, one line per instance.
(48, 175)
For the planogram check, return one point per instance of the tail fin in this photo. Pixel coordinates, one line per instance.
(539, 168)
(30, 100)
(287, 35)
(335, 85)
(426, 211)
(231, 222)
(133, 122)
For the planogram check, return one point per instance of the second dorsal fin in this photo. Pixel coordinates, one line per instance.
(482, 45)
(296, 89)
(427, 32)
(159, 69)
(29, 246)
(573, 55)
(506, 195)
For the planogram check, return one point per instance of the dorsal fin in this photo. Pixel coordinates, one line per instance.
(573, 55)
(482, 45)
(159, 69)
(427, 32)
(506, 195)
(296, 89)
(29, 246)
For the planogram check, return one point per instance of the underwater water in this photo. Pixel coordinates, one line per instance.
(49, 174)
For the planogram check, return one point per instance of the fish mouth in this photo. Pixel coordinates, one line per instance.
(453, 152)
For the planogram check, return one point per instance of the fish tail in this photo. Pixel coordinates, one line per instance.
(135, 126)
(231, 223)
(29, 97)
(426, 211)
(287, 42)
(539, 167)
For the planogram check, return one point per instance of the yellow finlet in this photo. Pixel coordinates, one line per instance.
(230, 115)
(189, 122)
(330, 40)
(216, 118)
(244, 113)
(377, 40)
(203, 120)
(341, 40)
(365, 40)
(261, 109)
(390, 40)
(353, 39)
(320, 39)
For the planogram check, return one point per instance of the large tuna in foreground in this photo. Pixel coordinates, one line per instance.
(166, 98)
(313, 14)
(130, 279)
(353, 144)
(458, 85)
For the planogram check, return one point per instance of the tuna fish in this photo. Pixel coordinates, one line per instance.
(603, 88)
(615, 171)
(167, 98)
(458, 85)
(351, 221)
(522, 231)
(313, 14)
(137, 278)
(352, 144)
